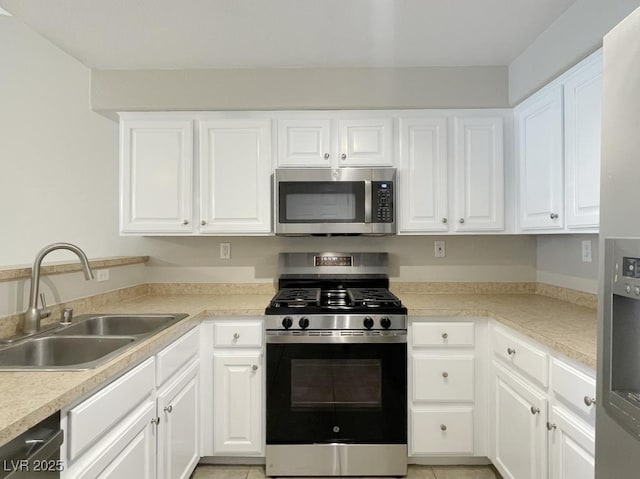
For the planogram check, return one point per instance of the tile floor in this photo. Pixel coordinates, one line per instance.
(415, 472)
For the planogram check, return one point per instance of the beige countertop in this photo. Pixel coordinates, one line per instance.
(28, 397)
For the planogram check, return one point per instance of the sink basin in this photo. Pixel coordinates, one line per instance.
(120, 324)
(56, 353)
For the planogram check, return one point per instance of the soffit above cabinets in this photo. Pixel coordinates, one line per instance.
(161, 34)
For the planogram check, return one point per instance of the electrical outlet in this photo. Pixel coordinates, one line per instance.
(586, 251)
(439, 249)
(225, 250)
(102, 275)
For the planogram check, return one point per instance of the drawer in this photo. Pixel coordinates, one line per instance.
(172, 358)
(572, 387)
(237, 334)
(522, 356)
(91, 419)
(441, 431)
(442, 334)
(443, 378)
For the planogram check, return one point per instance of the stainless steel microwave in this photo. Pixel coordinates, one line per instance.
(342, 201)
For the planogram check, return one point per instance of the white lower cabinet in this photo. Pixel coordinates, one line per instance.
(572, 445)
(442, 430)
(179, 428)
(139, 426)
(232, 380)
(520, 427)
(237, 400)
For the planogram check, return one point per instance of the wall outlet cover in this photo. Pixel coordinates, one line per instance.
(102, 275)
(225, 250)
(439, 250)
(586, 251)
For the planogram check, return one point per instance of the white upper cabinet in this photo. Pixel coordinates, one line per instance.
(583, 128)
(156, 163)
(479, 174)
(558, 138)
(365, 142)
(540, 158)
(423, 175)
(235, 167)
(304, 143)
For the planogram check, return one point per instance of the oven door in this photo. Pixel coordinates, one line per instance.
(349, 393)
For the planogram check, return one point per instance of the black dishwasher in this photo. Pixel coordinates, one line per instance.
(34, 454)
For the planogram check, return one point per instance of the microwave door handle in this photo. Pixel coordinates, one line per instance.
(367, 201)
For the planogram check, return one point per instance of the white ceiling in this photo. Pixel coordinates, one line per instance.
(142, 34)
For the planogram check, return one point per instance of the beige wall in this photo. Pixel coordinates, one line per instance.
(281, 89)
(574, 35)
(58, 159)
(559, 262)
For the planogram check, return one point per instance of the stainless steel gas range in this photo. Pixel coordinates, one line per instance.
(336, 368)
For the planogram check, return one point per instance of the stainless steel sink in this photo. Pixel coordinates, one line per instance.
(67, 353)
(119, 324)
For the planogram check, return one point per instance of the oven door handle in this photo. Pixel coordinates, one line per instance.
(367, 201)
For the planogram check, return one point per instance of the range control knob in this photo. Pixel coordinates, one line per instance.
(627, 288)
(368, 322)
(287, 322)
(385, 322)
(303, 323)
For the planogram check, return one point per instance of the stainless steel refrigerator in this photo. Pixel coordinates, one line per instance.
(617, 430)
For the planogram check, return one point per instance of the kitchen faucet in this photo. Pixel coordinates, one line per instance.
(33, 315)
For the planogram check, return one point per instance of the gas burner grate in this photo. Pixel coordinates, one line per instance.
(373, 297)
(296, 297)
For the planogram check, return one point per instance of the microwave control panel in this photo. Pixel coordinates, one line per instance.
(382, 201)
(626, 280)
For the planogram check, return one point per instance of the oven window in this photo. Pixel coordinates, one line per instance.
(321, 201)
(336, 384)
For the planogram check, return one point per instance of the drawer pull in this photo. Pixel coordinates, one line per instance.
(511, 351)
(443, 427)
(535, 410)
(445, 335)
(254, 367)
(445, 374)
(168, 408)
(589, 401)
(236, 336)
(550, 426)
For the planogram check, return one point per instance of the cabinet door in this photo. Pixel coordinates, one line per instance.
(479, 174)
(235, 166)
(128, 451)
(365, 142)
(572, 447)
(423, 175)
(583, 132)
(156, 164)
(237, 403)
(179, 428)
(304, 143)
(539, 153)
(520, 430)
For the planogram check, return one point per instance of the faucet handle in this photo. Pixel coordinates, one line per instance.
(44, 312)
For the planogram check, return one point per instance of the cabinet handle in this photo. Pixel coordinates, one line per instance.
(589, 401)
(445, 335)
(185, 222)
(461, 221)
(203, 222)
(155, 421)
(254, 367)
(444, 220)
(343, 156)
(443, 427)
(445, 374)
(511, 351)
(553, 216)
(534, 410)
(326, 156)
(236, 336)
(550, 426)
(168, 408)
